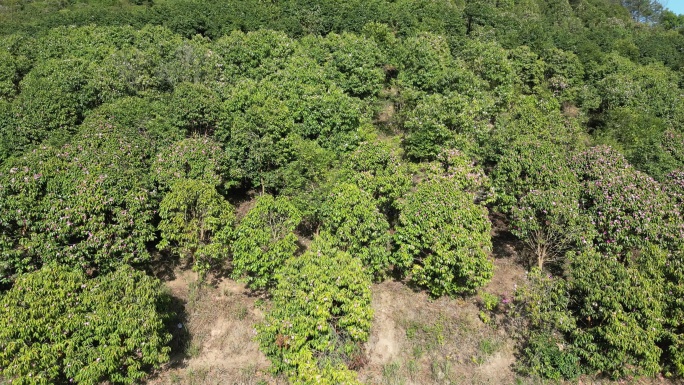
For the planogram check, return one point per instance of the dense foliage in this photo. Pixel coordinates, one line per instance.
(443, 239)
(264, 240)
(321, 308)
(59, 327)
(311, 147)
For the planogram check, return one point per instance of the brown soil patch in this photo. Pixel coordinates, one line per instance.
(219, 326)
(418, 340)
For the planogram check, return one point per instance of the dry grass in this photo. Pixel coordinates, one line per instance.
(219, 348)
(416, 340)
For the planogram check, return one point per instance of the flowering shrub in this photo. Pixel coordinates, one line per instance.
(628, 208)
(264, 240)
(456, 167)
(197, 158)
(444, 239)
(86, 204)
(321, 308)
(58, 327)
(357, 227)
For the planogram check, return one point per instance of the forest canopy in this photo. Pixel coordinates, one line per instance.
(312, 148)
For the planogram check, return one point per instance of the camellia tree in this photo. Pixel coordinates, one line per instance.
(628, 208)
(530, 148)
(357, 227)
(426, 60)
(321, 315)
(264, 240)
(617, 306)
(550, 223)
(59, 327)
(198, 158)
(55, 96)
(257, 130)
(443, 120)
(354, 62)
(253, 55)
(197, 223)
(377, 168)
(444, 239)
(88, 203)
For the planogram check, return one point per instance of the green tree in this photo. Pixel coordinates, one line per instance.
(321, 308)
(353, 62)
(377, 168)
(194, 108)
(196, 223)
(58, 327)
(54, 98)
(643, 10)
(264, 240)
(444, 239)
(550, 223)
(253, 55)
(357, 227)
(450, 120)
(425, 62)
(197, 158)
(88, 203)
(257, 130)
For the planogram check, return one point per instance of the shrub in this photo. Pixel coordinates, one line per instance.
(357, 227)
(58, 327)
(196, 223)
(612, 312)
(550, 223)
(441, 120)
(443, 239)
(377, 169)
(264, 240)
(321, 308)
(353, 61)
(547, 355)
(86, 204)
(619, 306)
(197, 158)
(426, 61)
(628, 208)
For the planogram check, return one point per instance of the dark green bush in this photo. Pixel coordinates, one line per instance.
(444, 239)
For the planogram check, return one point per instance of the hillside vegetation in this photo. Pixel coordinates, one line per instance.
(313, 148)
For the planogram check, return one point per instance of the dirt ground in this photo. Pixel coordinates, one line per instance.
(214, 336)
(414, 340)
